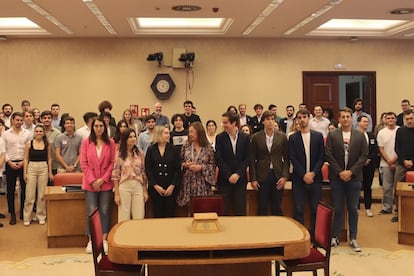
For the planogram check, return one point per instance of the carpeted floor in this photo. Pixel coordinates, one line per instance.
(344, 262)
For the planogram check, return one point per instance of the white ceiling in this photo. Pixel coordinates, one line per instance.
(77, 17)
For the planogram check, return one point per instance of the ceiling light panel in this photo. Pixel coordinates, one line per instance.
(360, 24)
(180, 26)
(20, 26)
(274, 4)
(100, 16)
(362, 27)
(313, 16)
(47, 16)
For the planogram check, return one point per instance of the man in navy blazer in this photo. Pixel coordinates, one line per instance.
(346, 152)
(307, 154)
(232, 159)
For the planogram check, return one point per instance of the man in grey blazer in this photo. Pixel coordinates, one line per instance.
(346, 153)
(269, 165)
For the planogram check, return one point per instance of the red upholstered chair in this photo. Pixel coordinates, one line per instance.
(205, 204)
(409, 176)
(322, 240)
(103, 266)
(62, 179)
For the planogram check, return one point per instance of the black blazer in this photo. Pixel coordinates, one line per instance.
(255, 124)
(228, 162)
(298, 157)
(163, 170)
(372, 149)
(335, 153)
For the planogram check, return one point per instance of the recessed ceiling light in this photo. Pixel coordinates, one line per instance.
(359, 24)
(17, 22)
(186, 8)
(180, 26)
(401, 11)
(362, 27)
(19, 26)
(150, 22)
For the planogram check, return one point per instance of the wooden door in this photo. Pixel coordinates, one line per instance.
(321, 89)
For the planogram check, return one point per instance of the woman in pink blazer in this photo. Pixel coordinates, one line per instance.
(97, 162)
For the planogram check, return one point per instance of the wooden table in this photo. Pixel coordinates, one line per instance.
(405, 195)
(66, 218)
(244, 246)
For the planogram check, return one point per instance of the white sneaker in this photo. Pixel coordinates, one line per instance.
(105, 246)
(369, 213)
(88, 249)
(42, 222)
(26, 223)
(355, 246)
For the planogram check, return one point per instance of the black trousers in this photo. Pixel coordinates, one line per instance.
(234, 194)
(367, 177)
(12, 176)
(162, 206)
(268, 193)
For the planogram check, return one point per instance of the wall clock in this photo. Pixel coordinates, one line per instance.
(163, 86)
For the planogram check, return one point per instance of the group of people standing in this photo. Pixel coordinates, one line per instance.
(172, 166)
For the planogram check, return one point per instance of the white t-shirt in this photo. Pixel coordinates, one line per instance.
(347, 140)
(306, 144)
(386, 139)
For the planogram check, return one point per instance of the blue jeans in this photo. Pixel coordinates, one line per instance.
(102, 200)
(348, 191)
(268, 192)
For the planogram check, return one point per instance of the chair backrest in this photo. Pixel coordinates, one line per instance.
(61, 179)
(96, 235)
(409, 176)
(324, 226)
(205, 204)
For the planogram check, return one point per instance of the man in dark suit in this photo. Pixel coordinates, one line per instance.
(405, 105)
(269, 165)
(232, 159)
(307, 154)
(346, 153)
(287, 122)
(256, 122)
(370, 165)
(244, 118)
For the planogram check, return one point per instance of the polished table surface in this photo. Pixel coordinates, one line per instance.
(240, 240)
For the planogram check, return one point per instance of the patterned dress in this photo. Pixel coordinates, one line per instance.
(197, 183)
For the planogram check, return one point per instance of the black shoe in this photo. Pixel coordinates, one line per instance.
(394, 219)
(383, 212)
(2, 216)
(1, 225)
(13, 220)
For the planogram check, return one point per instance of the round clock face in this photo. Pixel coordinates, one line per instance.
(163, 86)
